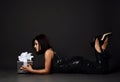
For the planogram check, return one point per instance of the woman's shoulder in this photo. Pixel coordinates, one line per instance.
(49, 52)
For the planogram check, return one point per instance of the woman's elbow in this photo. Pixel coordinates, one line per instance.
(47, 71)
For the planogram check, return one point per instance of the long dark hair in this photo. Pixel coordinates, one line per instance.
(43, 42)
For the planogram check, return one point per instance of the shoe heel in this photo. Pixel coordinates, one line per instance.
(108, 35)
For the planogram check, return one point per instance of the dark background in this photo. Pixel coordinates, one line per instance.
(70, 25)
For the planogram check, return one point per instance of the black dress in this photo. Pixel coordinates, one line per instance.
(76, 64)
(39, 61)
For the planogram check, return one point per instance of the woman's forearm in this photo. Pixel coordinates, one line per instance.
(41, 71)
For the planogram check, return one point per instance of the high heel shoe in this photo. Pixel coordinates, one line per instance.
(104, 36)
(101, 38)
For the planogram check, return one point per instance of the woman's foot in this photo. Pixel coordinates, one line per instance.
(101, 40)
(93, 41)
(97, 46)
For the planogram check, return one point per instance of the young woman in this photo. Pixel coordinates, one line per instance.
(46, 61)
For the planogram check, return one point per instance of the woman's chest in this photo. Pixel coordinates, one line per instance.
(39, 62)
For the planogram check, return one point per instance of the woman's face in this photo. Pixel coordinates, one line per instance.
(37, 46)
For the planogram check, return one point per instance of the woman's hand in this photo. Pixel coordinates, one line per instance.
(27, 69)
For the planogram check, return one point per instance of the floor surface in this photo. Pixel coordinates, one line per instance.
(12, 76)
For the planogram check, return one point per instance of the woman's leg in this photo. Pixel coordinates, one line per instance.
(105, 44)
(101, 47)
(97, 46)
(101, 55)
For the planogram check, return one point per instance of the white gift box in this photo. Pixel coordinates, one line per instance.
(24, 59)
(20, 64)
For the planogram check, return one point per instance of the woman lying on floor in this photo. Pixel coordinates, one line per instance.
(46, 61)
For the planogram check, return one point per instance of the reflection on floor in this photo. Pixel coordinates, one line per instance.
(12, 76)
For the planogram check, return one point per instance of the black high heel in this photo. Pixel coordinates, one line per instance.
(101, 40)
(104, 36)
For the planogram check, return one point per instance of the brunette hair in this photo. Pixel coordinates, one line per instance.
(43, 42)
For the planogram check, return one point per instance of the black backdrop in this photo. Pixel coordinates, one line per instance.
(70, 26)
